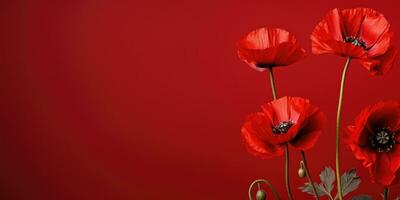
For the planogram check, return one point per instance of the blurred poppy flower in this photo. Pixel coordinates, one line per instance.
(373, 139)
(269, 47)
(286, 120)
(361, 33)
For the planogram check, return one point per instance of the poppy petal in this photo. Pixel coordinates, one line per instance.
(267, 37)
(285, 109)
(301, 113)
(328, 30)
(385, 114)
(311, 130)
(373, 27)
(259, 60)
(381, 172)
(287, 54)
(353, 20)
(359, 132)
(382, 64)
(253, 130)
(394, 158)
(346, 49)
(277, 112)
(269, 47)
(381, 46)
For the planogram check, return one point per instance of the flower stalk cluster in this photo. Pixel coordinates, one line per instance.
(287, 122)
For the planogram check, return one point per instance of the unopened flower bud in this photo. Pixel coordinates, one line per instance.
(302, 172)
(261, 195)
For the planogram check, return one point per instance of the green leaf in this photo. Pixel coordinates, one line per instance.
(361, 197)
(328, 178)
(350, 181)
(308, 189)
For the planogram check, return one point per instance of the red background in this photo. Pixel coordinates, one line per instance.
(145, 100)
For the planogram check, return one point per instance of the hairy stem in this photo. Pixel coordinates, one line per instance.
(303, 157)
(289, 191)
(272, 80)
(339, 110)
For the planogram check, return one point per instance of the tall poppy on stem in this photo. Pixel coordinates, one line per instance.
(288, 120)
(374, 139)
(266, 48)
(359, 33)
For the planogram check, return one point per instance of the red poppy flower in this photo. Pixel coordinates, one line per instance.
(286, 120)
(269, 47)
(361, 33)
(374, 139)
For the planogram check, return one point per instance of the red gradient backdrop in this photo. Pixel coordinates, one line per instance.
(145, 99)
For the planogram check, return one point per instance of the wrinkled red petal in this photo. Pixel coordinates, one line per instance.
(347, 49)
(267, 37)
(255, 57)
(381, 46)
(269, 47)
(307, 119)
(384, 170)
(353, 19)
(327, 31)
(382, 64)
(394, 158)
(359, 132)
(373, 27)
(287, 54)
(253, 132)
(283, 110)
(365, 155)
(385, 114)
(311, 129)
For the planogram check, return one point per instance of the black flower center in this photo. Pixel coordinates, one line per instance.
(356, 42)
(262, 65)
(282, 127)
(382, 140)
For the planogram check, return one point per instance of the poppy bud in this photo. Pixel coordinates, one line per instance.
(261, 195)
(302, 172)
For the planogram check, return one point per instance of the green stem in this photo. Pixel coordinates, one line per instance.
(287, 174)
(272, 80)
(339, 110)
(303, 156)
(386, 193)
(276, 195)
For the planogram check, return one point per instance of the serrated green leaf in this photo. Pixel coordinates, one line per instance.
(328, 178)
(350, 181)
(309, 190)
(361, 197)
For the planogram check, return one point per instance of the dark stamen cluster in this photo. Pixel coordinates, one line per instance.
(262, 65)
(356, 42)
(383, 140)
(282, 128)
